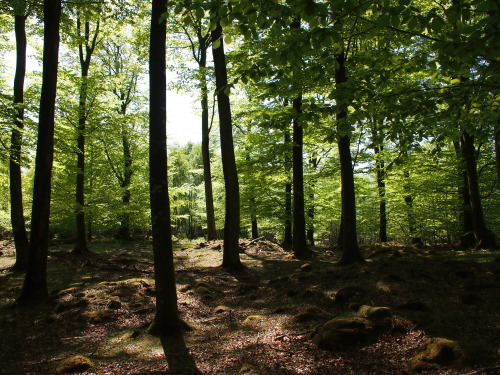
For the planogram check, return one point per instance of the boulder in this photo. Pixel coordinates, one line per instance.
(344, 332)
(437, 352)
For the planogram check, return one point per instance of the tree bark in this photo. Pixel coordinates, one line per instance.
(313, 162)
(287, 239)
(380, 175)
(205, 143)
(231, 254)
(497, 151)
(299, 243)
(35, 283)
(467, 239)
(16, 191)
(484, 237)
(349, 243)
(166, 320)
(85, 58)
(408, 198)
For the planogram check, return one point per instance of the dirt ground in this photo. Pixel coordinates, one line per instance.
(263, 320)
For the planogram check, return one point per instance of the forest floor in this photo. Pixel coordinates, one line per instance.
(264, 320)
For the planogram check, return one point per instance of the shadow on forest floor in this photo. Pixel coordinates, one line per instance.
(259, 321)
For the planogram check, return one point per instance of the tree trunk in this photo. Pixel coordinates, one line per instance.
(85, 58)
(205, 145)
(484, 237)
(408, 198)
(231, 254)
(255, 228)
(287, 239)
(310, 211)
(16, 191)
(35, 283)
(380, 174)
(349, 243)
(467, 239)
(497, 151)
(166, 320)
(299, 244)
(124, 230)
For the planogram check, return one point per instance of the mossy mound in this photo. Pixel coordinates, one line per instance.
(97, 316)
(203, 291)
(73, 364)
(344, 333)
(375, 313)
(437, 352)
(310, 314)
(221, 309)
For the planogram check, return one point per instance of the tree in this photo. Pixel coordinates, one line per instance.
(35, 282)
(87, 42)
(231, 255)
(166, 320)
(16, 194)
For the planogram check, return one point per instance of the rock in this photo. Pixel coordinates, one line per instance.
(344, 294)
(375, 313)
(73, 364)
(203, 291)
(437, 352)
(343, 333)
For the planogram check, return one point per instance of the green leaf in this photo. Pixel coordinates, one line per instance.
(200, 13)
(216, 44)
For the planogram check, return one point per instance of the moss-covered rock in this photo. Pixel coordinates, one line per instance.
(203, 291)
(375, 313)
(73, 364)
(221, 309)
(347, 293)
(97, 316)
(343, 333)
(310, 314)
(437, 352)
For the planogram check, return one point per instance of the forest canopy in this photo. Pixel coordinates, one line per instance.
(396, 101)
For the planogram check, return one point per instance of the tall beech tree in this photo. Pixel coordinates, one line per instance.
(86, 46)
(166, 320)
(199, 51)
(349, 239)
(35, 282)
(231, 255)
(16, 193)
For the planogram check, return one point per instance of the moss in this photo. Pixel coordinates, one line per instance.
(203, 291)
(221, 309)
(343, 333)
(97, 316)
(252, 319)
(375, 313)
(437, 352)
(73, 364)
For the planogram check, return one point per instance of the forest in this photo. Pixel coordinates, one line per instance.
(338, 215)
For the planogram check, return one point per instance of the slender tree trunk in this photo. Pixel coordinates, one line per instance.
(231, 254)
(299, 244)
(349, 243)
(124, 230)
(287, 239)
(85, 58)
(205, 146)
(484, 237)
(497, 151)
(467, 239)
(380, 174)
(310, 211)
(35, 283)
(16, 191)
(166, 320)
(408, 198)
(255, 228)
